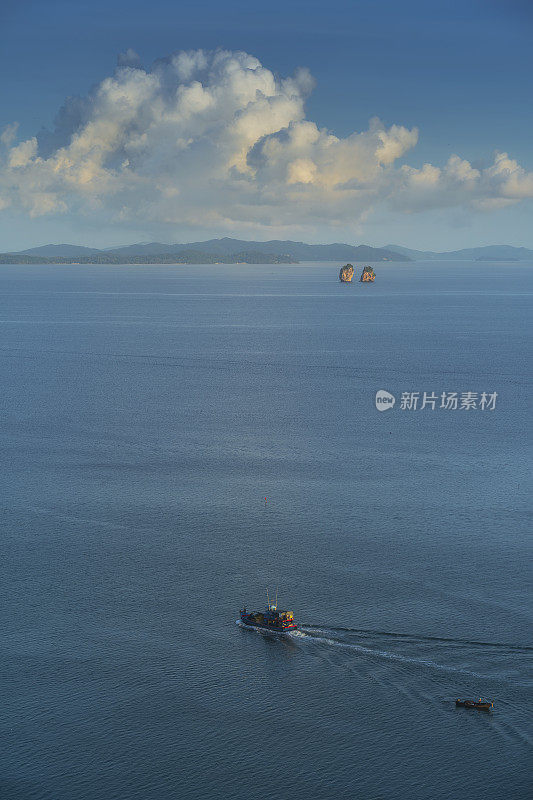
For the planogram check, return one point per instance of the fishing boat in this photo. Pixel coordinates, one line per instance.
(272, 619)
(484, 705)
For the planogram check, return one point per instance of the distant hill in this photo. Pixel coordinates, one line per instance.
(225, 249)
(298, 250)
(60, 250)
(231, 251)
(494, 252)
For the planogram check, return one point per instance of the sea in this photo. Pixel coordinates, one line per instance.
(179, 440)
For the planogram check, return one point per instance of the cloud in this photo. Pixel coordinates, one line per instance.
(215, 139)
(458, 183)
(8, 134)
(129, 58)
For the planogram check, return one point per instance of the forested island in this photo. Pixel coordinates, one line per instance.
(184, 257)
(212, 251)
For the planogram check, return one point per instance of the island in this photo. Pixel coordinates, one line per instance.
(346, 273)
(368, 275)
(212, 251)
(183, 257)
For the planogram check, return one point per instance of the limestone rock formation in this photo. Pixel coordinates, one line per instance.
(368, 275)
(346, 273)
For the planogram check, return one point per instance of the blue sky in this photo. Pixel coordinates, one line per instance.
(458, 72)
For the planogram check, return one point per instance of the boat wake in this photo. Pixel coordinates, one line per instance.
(476, 659)
(414, 637)
(372, 651)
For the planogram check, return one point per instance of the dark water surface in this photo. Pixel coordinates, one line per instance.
(146, 413)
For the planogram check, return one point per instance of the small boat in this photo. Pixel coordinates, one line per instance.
(484, 705)
(272, 619)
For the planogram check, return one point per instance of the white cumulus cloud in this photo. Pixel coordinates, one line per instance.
(217, 139)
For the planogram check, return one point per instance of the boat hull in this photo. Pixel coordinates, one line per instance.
(473, 704)
(269, 628)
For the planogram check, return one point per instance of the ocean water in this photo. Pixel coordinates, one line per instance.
(147, 411)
